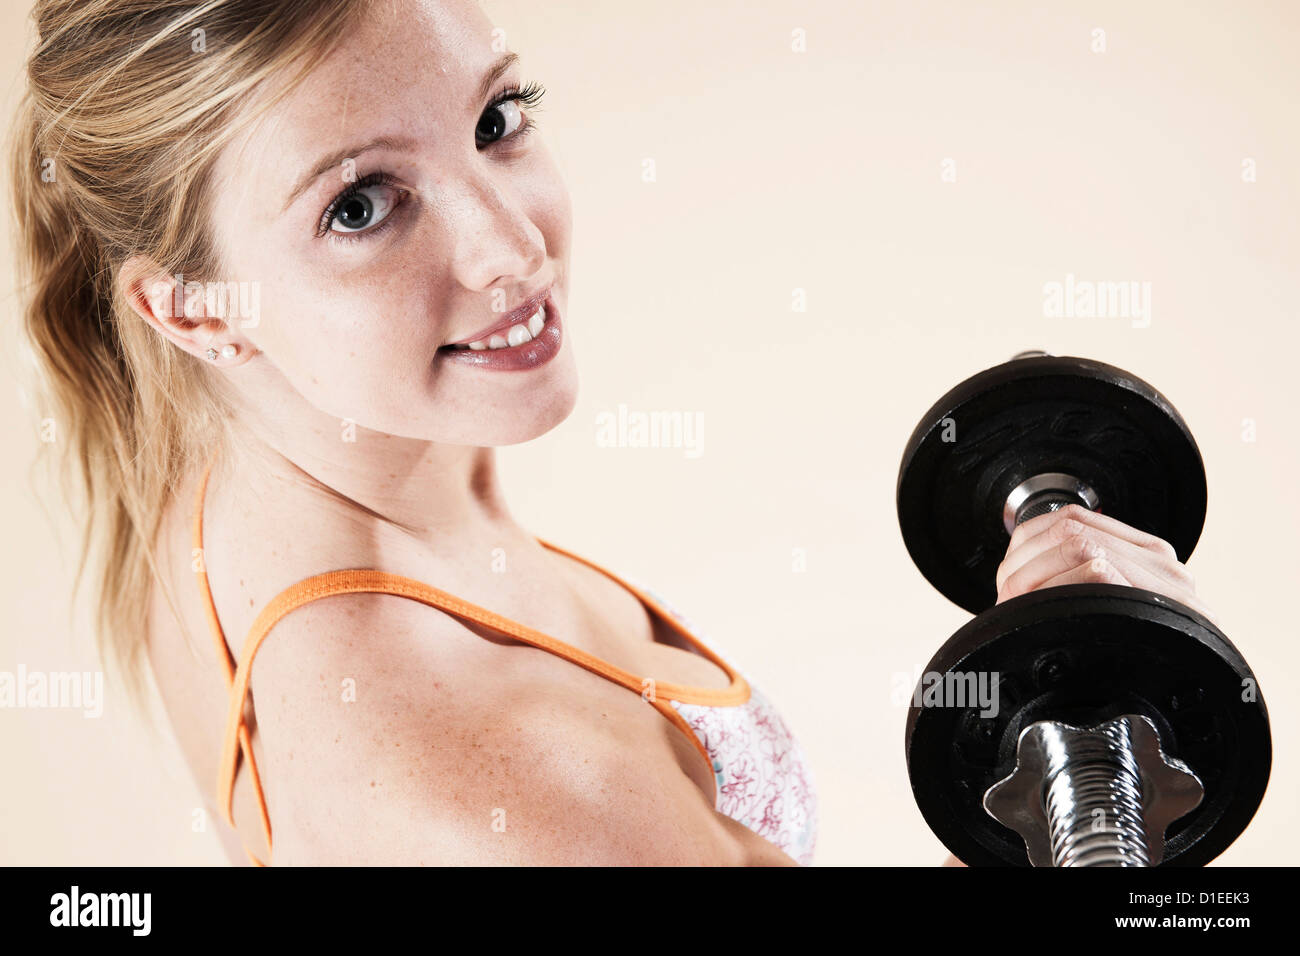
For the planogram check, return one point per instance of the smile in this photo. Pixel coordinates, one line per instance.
(515, 335)
(524, 345)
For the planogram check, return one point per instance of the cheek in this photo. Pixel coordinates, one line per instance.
(354, 335)
(349, 344)
(562, 215)
(550, 206)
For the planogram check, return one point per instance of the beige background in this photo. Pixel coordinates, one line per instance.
(778, 170)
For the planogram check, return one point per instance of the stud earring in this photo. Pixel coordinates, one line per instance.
(229, 351)
(211, 355)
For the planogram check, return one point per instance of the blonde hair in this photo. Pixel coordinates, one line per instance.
(127, 104)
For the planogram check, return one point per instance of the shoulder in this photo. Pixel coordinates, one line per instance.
(396, 736)
(389, 732)
(264, 534)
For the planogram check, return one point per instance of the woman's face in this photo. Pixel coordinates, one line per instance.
(388, 210)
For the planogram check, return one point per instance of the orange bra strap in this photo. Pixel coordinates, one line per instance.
(223, 655)
(249, 853)
(356, 581)
(661, 704)
(737, 693)
(237, 740)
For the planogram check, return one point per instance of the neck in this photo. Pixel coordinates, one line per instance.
(426, 489)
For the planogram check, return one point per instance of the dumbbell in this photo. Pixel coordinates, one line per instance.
(1119, 727)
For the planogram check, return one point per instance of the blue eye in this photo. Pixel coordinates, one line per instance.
(362, 206)
(365, 205)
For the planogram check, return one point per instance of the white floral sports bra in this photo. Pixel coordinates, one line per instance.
(763, 777)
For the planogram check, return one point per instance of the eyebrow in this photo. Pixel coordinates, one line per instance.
(335, 158)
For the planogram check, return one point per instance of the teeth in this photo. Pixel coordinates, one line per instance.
(515, 335)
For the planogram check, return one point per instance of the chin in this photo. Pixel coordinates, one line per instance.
(545, 415)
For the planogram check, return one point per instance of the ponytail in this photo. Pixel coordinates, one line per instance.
(93, 419)
(111, 157)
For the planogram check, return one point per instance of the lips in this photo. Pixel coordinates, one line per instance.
(526, 355)
(517, 316)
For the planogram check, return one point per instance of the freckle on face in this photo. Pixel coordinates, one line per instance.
(354, 328)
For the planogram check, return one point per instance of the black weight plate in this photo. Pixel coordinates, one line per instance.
(1029, 416)
(1082, 654)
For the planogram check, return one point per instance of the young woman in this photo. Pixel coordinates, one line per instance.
(294, 270)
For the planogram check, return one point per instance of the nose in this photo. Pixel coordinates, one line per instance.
(490, 233)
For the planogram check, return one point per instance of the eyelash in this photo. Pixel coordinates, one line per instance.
(530, 96)
(332, 210)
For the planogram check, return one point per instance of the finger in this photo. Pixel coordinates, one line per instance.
(1065, 540)
(1093, 519)
(1096, 571)
(1104, 570)
(1139, 545)
(1179, 587)
(1052, 561)
(1133, 563)
(1020, 573)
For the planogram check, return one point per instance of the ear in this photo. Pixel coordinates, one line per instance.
(183, 312)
